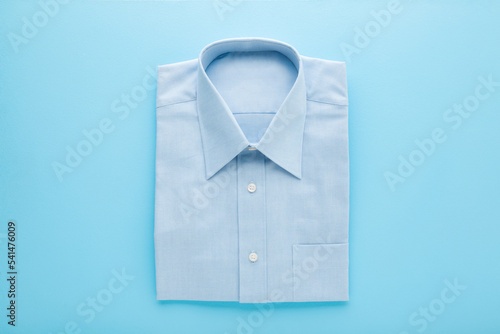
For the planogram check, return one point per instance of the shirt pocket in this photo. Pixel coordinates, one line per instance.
(321, 272)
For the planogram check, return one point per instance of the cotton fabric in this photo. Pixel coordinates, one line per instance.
(252, 158)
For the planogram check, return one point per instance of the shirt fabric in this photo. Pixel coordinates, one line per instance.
(252, 176)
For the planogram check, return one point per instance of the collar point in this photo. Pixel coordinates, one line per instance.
(209, 174)
(298, 174)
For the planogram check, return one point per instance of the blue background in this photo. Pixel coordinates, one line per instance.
(441, 224)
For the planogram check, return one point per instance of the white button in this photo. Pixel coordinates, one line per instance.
(253, 257)
(252, 187)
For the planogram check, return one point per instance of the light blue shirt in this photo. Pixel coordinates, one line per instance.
(252, 176)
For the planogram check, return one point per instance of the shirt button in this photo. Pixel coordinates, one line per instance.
(252, 187)
(253, 257)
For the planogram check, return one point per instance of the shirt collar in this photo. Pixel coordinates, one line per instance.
(221, 135)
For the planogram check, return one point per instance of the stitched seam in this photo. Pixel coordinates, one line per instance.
(170, 104)
(254, 113)
(333, 103)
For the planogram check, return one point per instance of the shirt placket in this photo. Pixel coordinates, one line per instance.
(252, 227)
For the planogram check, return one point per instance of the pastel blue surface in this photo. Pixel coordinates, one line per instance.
(409, 242)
